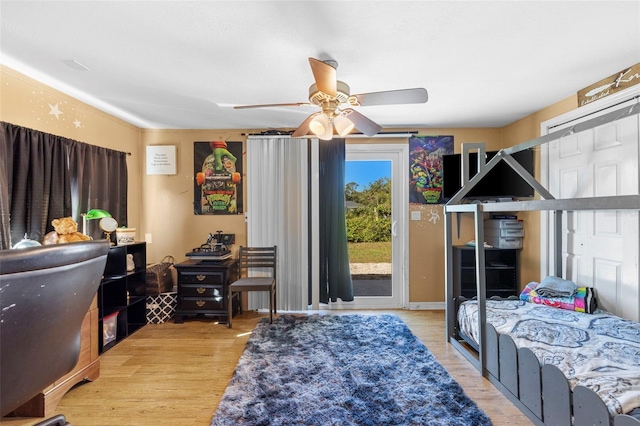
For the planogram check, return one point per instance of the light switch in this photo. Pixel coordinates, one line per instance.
(416, 215)
(147, 238)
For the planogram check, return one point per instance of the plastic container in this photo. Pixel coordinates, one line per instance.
(504, 232)
(502, 242)
(109, 328)
(503, 223)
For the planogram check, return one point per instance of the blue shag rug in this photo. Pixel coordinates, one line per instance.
(342, 370)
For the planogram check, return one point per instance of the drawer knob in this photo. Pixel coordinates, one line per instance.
(200, 303)
(201, 290)
(201, 277)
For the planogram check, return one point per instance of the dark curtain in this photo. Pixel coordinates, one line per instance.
(37, 187)
(335, 276)
(45, 177)
(99, 180)
(5, 234)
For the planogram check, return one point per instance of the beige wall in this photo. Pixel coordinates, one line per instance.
(426, 265)
(26, 102)
(168, 211)
(521, 131)
(162, 206)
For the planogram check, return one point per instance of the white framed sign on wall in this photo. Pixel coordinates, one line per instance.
(161, 160)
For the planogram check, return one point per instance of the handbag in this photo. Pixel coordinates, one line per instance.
(159, 278)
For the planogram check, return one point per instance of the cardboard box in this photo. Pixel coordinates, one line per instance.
(162, 307)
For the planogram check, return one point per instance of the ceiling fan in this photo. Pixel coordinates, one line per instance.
(335, 102)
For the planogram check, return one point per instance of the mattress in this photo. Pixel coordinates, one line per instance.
(599, 351)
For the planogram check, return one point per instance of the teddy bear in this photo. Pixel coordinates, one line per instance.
(65, 231)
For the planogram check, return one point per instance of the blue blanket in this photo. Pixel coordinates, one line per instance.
(556, 287)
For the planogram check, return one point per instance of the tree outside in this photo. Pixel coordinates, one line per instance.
(369, 221)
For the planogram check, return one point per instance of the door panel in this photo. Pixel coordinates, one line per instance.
(398, 157)
(600, 248)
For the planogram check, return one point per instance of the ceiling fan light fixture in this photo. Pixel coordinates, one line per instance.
(320, 124)
(343, 125)
(330, 94)
(326, 136)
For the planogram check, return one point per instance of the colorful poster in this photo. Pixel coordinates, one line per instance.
(217, 186)
(425, 167)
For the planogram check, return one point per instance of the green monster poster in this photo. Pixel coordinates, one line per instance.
(217, 177)
(425, 167)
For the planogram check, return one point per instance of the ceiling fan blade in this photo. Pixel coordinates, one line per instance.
(303, 129)
(271, 105)
(393, 97)
(361, 122)
(325, 76)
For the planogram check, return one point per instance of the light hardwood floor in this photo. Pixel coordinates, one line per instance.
(175, 374)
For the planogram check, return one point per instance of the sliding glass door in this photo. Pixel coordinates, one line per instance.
(376, 207)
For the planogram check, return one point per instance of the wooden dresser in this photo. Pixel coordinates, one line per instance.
(87, 368)
(203, 287)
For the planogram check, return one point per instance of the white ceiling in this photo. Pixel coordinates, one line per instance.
(184, 64)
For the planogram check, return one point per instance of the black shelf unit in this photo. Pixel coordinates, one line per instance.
(123, 292)
(502, 269)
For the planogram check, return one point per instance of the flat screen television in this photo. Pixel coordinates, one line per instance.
(500, 182)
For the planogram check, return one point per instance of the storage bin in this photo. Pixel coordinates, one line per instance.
(161, 307)
(109, 328)
(504, 232)
(503, 224)
(125, 236)
(502, 242)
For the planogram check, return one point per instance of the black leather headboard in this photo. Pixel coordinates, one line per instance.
(45, 293)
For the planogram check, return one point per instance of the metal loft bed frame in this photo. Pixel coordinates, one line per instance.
(543, 394)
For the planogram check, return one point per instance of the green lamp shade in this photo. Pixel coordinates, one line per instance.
(97, 214)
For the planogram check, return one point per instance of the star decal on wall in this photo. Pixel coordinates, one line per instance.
(77, 123)
(55, 111)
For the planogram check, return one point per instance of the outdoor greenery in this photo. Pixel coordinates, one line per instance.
(369, 219)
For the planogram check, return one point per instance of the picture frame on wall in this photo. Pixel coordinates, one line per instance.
(217, 183)
(161, 160)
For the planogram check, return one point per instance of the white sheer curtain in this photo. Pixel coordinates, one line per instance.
(277, 214)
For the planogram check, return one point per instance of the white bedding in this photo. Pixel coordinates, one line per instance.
(599, 351)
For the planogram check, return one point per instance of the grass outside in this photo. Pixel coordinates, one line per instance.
(370, 252)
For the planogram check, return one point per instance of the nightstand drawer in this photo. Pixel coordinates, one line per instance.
(201, 278)
(202, 304)
(201, 290)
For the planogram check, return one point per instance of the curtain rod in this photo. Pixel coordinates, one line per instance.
(382, 135)
(349, 136)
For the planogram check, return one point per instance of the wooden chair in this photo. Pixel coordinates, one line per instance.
(249, 258)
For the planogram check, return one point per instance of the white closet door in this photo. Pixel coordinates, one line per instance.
(600, 248)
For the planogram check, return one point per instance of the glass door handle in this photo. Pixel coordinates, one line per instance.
(394, 231)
